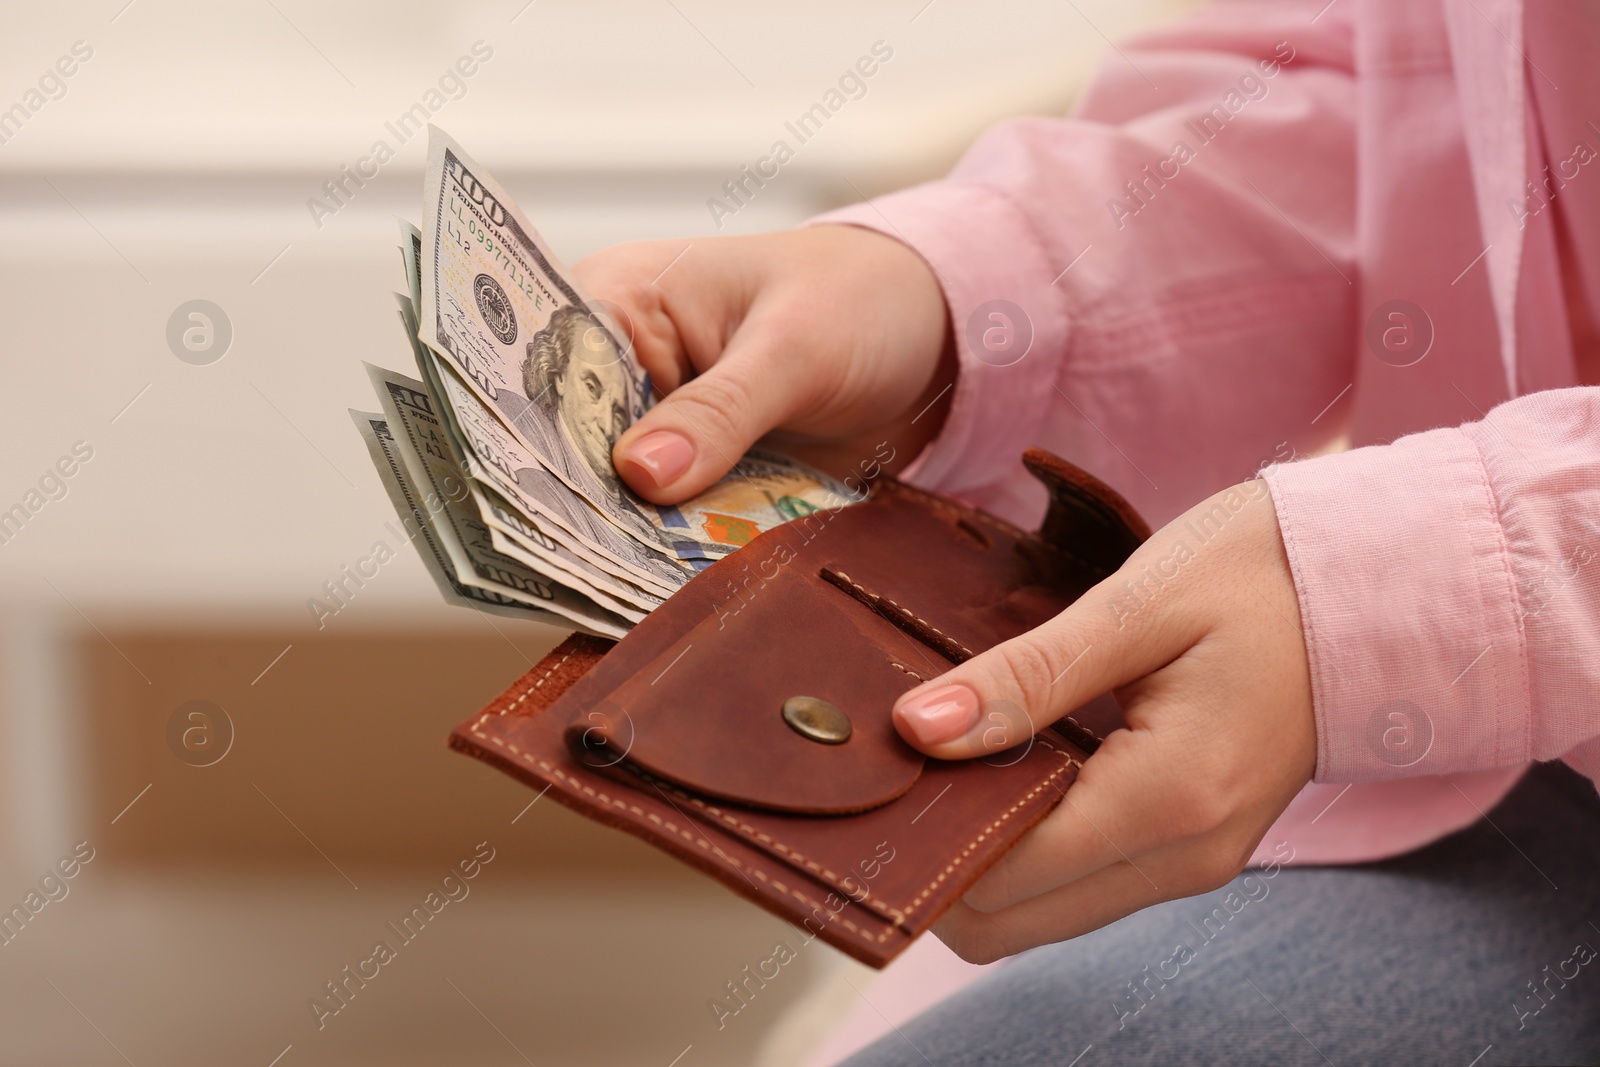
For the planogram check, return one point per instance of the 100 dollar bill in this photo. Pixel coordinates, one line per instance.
(412, 421)
(415, 515)
(497, 308)
(525, 389)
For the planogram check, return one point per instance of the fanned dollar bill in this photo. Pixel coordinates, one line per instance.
(409, 410)
(497, 309)
(414, 515)
(502, 467)
(558, 374)
(499, 459)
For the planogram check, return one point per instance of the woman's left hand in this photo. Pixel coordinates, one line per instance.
(1199, 636)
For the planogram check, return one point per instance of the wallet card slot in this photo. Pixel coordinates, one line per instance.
(973, 533)
(902, 618)
(731, 691)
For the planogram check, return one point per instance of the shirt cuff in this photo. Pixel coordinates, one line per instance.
(1408, 606)
(1009, 323)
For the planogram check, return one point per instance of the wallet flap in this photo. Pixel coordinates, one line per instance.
(707, 713)
(1085, 512)
(832, 608)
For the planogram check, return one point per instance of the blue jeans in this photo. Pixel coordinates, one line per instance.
(1479, 949)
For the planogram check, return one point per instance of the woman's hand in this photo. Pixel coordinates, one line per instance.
(1199, 636)
(834, 334)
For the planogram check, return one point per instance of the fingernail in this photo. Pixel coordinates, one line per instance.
(663, 454)
(940, 714)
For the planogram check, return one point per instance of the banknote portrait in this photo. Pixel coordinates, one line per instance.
(577, 374)
(534, 387)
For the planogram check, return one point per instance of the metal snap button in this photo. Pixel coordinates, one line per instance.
(817, 720)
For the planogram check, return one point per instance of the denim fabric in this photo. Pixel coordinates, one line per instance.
(1480, 949)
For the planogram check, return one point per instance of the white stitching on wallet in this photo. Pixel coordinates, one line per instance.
(1085, 729)
(987, 830)
(602, 798)
(906, 611)
(895, 914)
(888, 910)
(696, 839)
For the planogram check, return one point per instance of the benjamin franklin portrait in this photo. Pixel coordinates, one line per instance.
(577, 377)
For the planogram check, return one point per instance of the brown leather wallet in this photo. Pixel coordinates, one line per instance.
(744, 725)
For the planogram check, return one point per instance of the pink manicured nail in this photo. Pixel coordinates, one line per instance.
(663, 454)
(940, 714)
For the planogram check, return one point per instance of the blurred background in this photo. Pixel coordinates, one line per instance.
(175, 564)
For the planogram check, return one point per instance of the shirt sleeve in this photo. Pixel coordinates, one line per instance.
(1449, 587)
(1159, 287)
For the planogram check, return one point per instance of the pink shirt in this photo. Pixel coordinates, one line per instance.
(1275, 227)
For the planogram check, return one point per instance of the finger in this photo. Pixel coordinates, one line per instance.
(1185, 869)
(1104, 897)
(1106, 817)
(1129, 801)
(623, 284)
(1147, 791)
(697, 432)
(1005, 695)
(1098, 901)
(1181, 869)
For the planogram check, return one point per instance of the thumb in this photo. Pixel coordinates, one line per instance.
(1007, 694)
(696, 433)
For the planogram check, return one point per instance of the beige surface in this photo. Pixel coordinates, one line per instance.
(200, 968)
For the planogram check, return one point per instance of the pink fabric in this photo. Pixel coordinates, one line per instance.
(1206, 257)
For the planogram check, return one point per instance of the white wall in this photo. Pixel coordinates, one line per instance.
(179, 162)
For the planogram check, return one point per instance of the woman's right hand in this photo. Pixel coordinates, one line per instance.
(835, 335)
